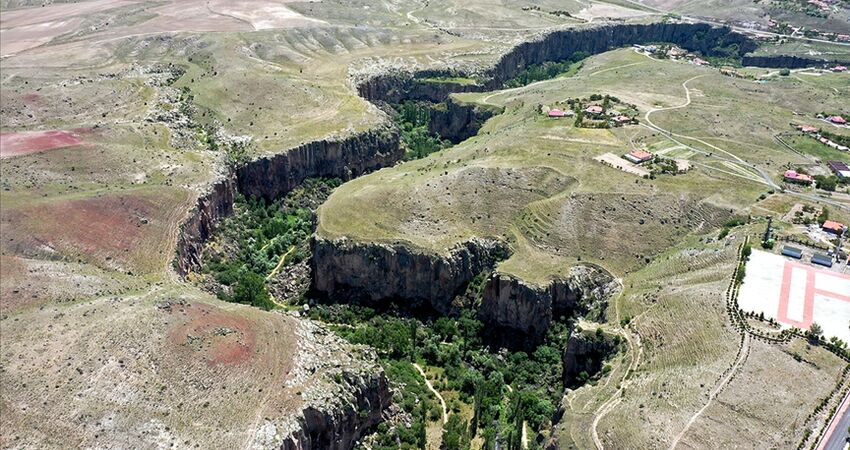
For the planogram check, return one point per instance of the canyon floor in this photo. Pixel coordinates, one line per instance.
(119, 118)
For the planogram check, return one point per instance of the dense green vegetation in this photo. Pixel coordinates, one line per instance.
(479, 374)
(547, 70)
(258, 236)
(413, 119)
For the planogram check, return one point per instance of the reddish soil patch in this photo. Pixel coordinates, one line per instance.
(16, 144)
(219, 337)
(110, 227)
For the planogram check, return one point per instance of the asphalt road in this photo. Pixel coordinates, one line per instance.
(837, 440)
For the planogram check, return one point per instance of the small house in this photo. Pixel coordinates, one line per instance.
(839, 69)
(822, 260)
(838, 120)
(792, 252)
(638, 156)
(622, 120)
(593, 109)
(556, 113)
(807, 129)
(840, 169)
(792, 176)
(831, 226)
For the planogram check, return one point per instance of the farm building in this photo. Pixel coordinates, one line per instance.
(807, 129)
(556, 113)
(839, 69)
(821, 259)
(831, 226)
(594, 109)
(638, 156)
(622, 120)
(840, 169)
(793, 252)
(792, 176)
(838, 120)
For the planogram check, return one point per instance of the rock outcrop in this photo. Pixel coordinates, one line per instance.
(511, 303)
(586, 352)
(345, 392)
(373, 272)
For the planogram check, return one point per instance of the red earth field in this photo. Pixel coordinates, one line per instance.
(16, 144)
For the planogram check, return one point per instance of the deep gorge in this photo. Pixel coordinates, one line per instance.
(382, 273)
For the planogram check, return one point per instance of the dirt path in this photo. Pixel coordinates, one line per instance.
(431, 388)
(280, 263)
(742, 356)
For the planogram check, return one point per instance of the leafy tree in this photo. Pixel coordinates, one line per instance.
(456, 434)
(251, 290)
(815, 332)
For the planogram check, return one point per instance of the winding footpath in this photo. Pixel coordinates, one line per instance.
(431, 388)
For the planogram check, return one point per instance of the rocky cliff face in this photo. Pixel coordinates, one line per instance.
(458, 122)
(790, 62)
(513, 304)
(202, 222)
(272, 177)
(338, 427)
(562, 44)
(586, 352)
(375, 272)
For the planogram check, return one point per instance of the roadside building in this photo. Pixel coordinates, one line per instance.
(556, 113)
(700, 62)
(840, 169)
(838, 120)
(821, 259)
(622, 120)
(831, 226)
(638, 156)
(792, 176)
(839, 69)
(792, 252)
(594, 109)
(807, 129)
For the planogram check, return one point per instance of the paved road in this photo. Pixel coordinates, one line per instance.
(836, 434)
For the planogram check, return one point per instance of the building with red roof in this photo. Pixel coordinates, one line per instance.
(556, 113)
(807, 129)
(831, 226)
(594, 109)
(792, 176)
(837, 120)
(622, 120)
(638, 156)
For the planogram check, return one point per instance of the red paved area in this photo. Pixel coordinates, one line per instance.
(811, 291)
